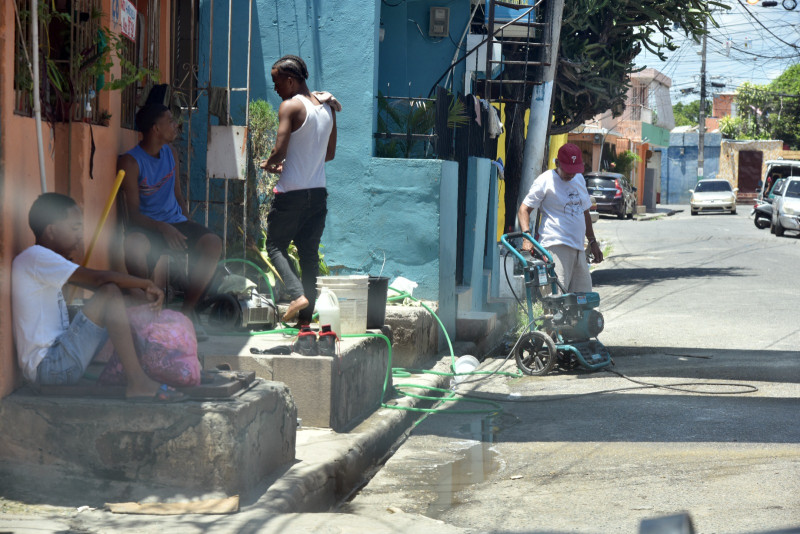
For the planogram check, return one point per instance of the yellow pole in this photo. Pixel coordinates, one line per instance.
(111, 197)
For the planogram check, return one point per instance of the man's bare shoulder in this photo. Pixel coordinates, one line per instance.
(292, 105)
(126, 160)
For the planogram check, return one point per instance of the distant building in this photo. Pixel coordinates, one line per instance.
(643, 128)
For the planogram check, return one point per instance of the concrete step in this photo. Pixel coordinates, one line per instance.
(414, 333)
(475, 325)
(228, 445)
(330, 392)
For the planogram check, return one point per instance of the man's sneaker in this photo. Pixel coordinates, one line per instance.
(306, 343)
(327, 341)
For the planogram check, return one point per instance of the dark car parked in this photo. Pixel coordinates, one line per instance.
(612, 192)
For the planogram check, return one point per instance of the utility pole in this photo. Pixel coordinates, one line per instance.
(541, 103)
(701, 132)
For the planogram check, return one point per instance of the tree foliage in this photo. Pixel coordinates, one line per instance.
(689, 114)
(600, 40)
(770, 111)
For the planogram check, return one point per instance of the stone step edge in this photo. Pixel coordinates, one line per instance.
(310, 486)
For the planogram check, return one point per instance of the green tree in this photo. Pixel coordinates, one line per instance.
(689, 114)
(785, 111)
(600, 40)
(769, 111)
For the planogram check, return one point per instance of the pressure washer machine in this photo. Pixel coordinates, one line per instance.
(565, 334)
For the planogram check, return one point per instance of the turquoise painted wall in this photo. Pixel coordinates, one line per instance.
(408, 56)
(396, 210)
(448, 236)
(338, 41)
(374, 205)
(478, 179)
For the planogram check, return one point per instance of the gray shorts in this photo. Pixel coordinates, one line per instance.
(572, 268)
(69, 356)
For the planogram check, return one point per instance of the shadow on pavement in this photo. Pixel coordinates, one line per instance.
(613, 276)
(712, 395)
(720, 364)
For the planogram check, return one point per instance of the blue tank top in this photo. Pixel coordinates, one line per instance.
(157, 185)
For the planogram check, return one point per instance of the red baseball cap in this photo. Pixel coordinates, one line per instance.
(570, 158)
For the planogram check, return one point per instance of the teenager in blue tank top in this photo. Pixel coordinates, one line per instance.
(157, 210)
(306, 140)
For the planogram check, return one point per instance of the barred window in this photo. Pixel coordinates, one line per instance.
(23, 75)
(141, 54)
(185, 17)
(70, 40)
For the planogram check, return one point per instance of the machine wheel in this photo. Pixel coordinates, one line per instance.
(633, 210)
(621, 213)
(761, 223)
(778, 228)
(535, 354)
(693, 212)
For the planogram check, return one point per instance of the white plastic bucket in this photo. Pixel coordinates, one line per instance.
(352, 294)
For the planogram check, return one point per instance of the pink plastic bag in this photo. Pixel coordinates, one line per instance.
(167, 348)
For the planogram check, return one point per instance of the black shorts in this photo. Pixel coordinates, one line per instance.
(158, 245)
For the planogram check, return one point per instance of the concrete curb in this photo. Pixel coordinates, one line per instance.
(336, 464)
(651, 216)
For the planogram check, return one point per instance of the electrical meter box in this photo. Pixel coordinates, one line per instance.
(440, 22)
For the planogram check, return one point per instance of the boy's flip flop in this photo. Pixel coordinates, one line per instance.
(165, 394)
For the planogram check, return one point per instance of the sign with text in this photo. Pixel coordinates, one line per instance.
(123, 14)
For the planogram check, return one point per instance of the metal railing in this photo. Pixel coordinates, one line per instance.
(406, 127)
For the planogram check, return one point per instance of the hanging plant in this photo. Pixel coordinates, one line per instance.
(71, 75)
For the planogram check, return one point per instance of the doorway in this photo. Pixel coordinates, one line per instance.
(749, 170)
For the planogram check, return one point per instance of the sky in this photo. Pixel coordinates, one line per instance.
(765, 41)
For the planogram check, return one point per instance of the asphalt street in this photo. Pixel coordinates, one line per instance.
(705, 305)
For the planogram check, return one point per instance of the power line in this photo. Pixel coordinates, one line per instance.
(768, 30)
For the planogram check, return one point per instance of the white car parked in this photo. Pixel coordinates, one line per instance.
(713, 195)
(786, 208)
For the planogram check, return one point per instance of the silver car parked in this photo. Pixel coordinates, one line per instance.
(713, 195)
(786, 208)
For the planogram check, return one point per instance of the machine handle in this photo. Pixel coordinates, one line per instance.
(539, 248)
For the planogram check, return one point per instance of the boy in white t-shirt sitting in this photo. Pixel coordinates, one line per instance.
(50, 349)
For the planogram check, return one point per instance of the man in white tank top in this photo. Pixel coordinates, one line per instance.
(306, 140)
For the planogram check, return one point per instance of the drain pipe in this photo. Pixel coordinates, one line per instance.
(37, 104)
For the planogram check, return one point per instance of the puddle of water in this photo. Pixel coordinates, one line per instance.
(448, 479)
(483, 429)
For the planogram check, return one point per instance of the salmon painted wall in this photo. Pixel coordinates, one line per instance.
(67, 169)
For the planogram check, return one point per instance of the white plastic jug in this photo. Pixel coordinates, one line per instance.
(328, 308)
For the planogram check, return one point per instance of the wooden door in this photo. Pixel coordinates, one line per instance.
(749, 170)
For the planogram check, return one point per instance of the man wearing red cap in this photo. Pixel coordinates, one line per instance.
(562, 197)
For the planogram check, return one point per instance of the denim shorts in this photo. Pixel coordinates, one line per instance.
(69, 356)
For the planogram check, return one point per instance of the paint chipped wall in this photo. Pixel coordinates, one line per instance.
(729, 158)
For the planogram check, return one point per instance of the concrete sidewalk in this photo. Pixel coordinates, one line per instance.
(329, 466)
(662, 210)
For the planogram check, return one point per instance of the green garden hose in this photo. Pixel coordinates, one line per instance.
(399, 372)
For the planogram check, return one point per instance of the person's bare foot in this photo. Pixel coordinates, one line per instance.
(295, 306)
(144, 387)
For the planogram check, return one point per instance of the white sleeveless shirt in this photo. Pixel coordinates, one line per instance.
(304, 166)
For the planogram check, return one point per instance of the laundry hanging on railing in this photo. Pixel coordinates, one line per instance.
(495, 126)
